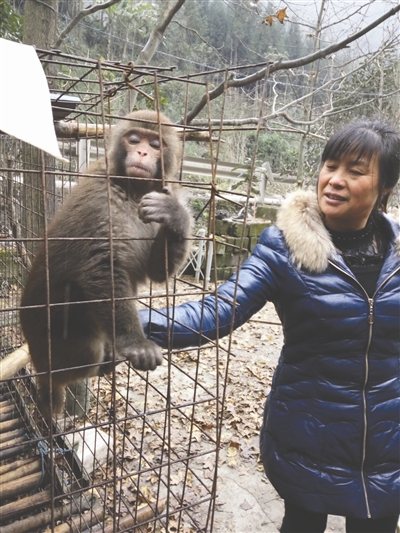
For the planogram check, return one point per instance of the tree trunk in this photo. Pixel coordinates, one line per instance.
(168, 9)
(40, 23)
(40, 29)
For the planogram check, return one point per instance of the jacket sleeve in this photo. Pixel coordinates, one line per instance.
(235, 301)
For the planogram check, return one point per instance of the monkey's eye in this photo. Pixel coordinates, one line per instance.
(133, 139)
(155, 144)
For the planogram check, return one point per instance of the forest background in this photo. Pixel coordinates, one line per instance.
(329, 62)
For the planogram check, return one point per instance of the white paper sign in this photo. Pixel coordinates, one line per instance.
(25, 108)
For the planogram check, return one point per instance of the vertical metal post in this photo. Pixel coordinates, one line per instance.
(199, 254)
(83, 154)
(208, 264)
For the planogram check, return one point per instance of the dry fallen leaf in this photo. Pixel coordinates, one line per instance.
(232, 453)
(246, 505)
(281, 15)
(268, 20)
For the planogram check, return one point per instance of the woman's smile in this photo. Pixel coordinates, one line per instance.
(333, 198)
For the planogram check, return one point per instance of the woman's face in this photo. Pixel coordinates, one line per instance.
(347, 192)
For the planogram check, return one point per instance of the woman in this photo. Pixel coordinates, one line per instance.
(330, 436)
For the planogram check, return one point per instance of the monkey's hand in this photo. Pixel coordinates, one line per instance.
(144, 354)
(165, 208)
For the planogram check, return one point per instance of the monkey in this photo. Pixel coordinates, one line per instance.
(111, 235)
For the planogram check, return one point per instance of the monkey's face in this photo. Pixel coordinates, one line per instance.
(143, 153)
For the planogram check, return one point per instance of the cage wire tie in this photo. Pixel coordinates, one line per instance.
(44, 449)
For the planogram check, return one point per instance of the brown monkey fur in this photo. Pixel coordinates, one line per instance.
(143, 208)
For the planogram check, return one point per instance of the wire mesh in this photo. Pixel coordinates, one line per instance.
(132, 450)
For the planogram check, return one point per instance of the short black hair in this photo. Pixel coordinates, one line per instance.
(365, 139)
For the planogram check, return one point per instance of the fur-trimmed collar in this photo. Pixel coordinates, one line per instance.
(307, 238)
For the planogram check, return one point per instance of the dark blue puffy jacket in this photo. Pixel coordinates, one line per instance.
(330, 438)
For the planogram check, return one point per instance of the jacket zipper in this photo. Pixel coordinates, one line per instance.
(364, 391)
(364, 396)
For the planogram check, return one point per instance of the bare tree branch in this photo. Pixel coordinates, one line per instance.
(164, 19)
(156, 36)
(282, 112)
(201, 39)
(82, 14)
(287, 129)
(285, 65)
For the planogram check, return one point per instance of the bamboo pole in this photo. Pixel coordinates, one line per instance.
(16, 464)
(19, 486)
(42, 519)
(22, 471)
(10, 415)
(10, 365)
(7, 453)
(7, 406)
(4, 417)
(143, 515)
(9, 435)
(23, 505)
(9, 425)
(77, 130)
(12, 443)
(88, 519)
(67, 130)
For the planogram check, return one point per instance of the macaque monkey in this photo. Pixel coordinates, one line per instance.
(109, 236)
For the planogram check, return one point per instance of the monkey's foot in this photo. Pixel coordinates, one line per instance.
(144, 355)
